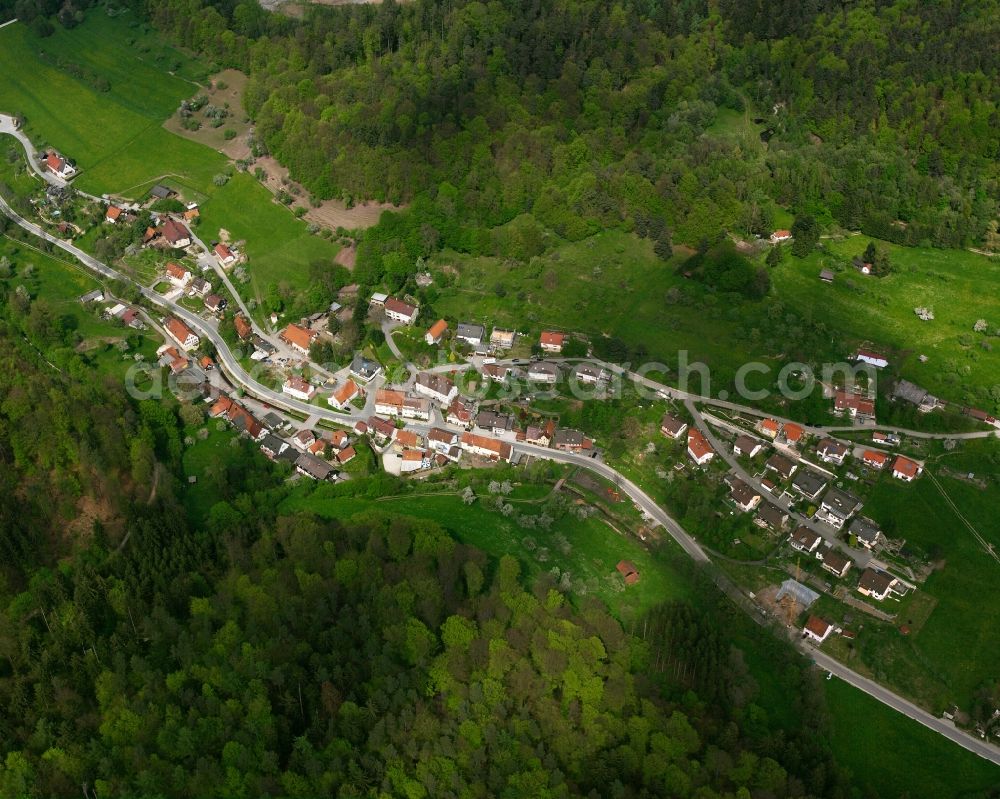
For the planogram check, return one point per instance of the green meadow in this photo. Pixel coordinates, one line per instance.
(591, 555)
(959, 286)
(896, 756)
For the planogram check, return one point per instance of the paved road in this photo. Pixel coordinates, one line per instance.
(830, 534)
(7, 126)
(230, 365)
(941, 726)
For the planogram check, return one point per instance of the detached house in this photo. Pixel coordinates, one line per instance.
(743, 495)
(779, 236)
(809, 483)
(497, 372)
(866, 531)
(215, 303)
(747, 446)
(112, 214)
(768, 427)
(486, 447)
(905, 469)
(805, 540)
(853, 405)
(672, 426)
(342, 396)
(470, 334)
(182, 334)
(364, 369)
(459, 413)
(177, 274)
(590, 374)
(817, 629)
(243, 327)
(540, 435)
(445, 442)
(699, 450)
(59, 166)
(834, 561)
(831, 451)
(435, 387)
(298, 338)
(781, 465)
(551, 341)
(501, 339)
(381, 430)
(771, 517)
(311, 466)
(299, 388)
(543, 372)
(176, 235)
(793, 433)
(400, 311)
(837, 507)
(436, 332)
(223, 254)
(876, 585)
(874, 458)
(496, 424)
(568, 440)
(200, 287)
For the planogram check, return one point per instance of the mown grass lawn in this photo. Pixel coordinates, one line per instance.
(959, 286)
(594, 548)
(897, 756)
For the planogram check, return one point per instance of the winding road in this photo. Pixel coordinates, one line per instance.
(235, 372)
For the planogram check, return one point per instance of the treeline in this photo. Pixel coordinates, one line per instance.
(883, 118)
(363, 656)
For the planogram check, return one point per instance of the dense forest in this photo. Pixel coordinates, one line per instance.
(573, 117)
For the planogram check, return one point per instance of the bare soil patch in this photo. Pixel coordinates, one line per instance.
(231, 97)
(347, 256)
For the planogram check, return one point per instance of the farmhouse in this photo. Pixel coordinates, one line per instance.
(817, 629)
(176, 234)
(298, 338)
(470, 334)
(874, 458)
(400, 311)
(781, 465)
(551, 341)
(834, 561)
(502, 339)
(343, 395)
(436, 387)
(778, 236)
(837, 507)
(672, 426)
(170, 357)
(866, 531)
(804, 540)
(177, 274)
(300, 389)
(743, 495)
(876, 584)
(699, 449)
(182, 334)
(831, 451)
(224, 255)
(436, 332)
(872, 358)
(905, 469)
(486, 447)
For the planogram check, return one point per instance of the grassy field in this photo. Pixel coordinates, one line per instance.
(959, 286)
(115, 136)
(611, 284)
(896, 756)
(118, 141)
(278, 245)
(957, 649)
(594, 548)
